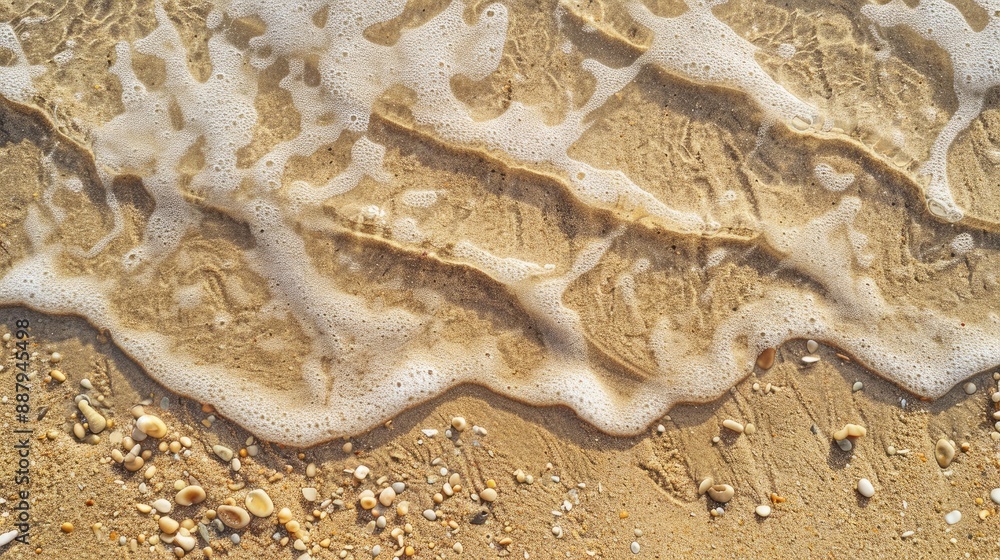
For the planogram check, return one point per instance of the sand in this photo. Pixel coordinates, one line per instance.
(451, 273)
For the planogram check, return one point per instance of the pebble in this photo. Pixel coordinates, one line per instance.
(233, 517)
(995, 495)
(944, 452)
(953, 517)
(429, 432)
(7, 537)
(430, 515)
(55, 358)
(459, 423)
(845, 445)
(634, 547)
(361, 472)
(151, 425)
(348, 447)
(849, 430)
(376, 550)
(162, 505)
(259, 503)
(86, 384)
(95, 421)
(733, 425)
(810, 359)
(970, 388)
(812, 346)
(907, 534)
(398, 487)
(766, 358)
(57, 375)
(705, 484)
(310, 494)
(223, 452)
(67, 527)
(488, 494)
(749, 429)
(168, 525)
(190, 495)
(387, 496)
(458, 548)
(721, 493)
(311, 470)
(367, 500)
(865, 488)
(762, 510)
(857, 386)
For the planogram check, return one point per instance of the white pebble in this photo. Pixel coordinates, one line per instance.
(634, 547)
(970, 388)
(995, 495)
(762, 510)
(857, 386)
(733, 425)
(865, 488)
(430, 515)
(907, 534)
(953, 517)
(161, 505)
(376, 550)
(310, 494)
(812, 346)
(361, 472)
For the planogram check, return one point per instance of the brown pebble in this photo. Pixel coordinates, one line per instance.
(766, 359)
(67, 527)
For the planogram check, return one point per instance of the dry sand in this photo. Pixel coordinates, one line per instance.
(708, 150)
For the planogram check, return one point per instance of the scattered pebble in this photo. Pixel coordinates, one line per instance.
(705, 484)
(766, 359)
(970, 388)
(907, 534)
(488, 494)
(995, 495)
(857, 386)
(190, 495)
(86, 384)
(162, 505)
(865, 488)
(223, 452)
(57, 375)
(259, 503)
(387, 496)
(944, 452)
(845, 445)
(151, 426)
(721, 493)
(849, 430)
(430, 515)
(812, 346)
(310, 494)
(634, 547)
(953, 517)
(459, 423)
(762, 510)
(810, 359)
(361, 472)
(67, 527)
(733, 425)
(429, 432)
(233, 517)
(7, 537)
(749, 429)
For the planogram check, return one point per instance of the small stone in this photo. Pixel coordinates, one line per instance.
(766, 359)
(995, 495)
(721, 493)
(376, 550)
(488, 495)
(749, 429)
(310, 494)
(151, 426)
(732, 425)
(705, 484)
(162, 506)
(361, 472)
(865, 488)
(810, 359)
(95, 421)
(190, 495)
(223, 452)
(458, 548)
(67, 527)
(57, 375)
(387, 496)
(168, 525)
(348, 447)
(970, 388)
(849, 430)
(367, 500)
(459, 423)
(430, 515)
(953, 517)
(634, 547)
(259, 503)
(398, 487)
(429, 432)
(55, 358)
(762, 511)
(944, 452)
(233, 517)
(857, 386)
(812, 346)
(311, 470)
(86, 384)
